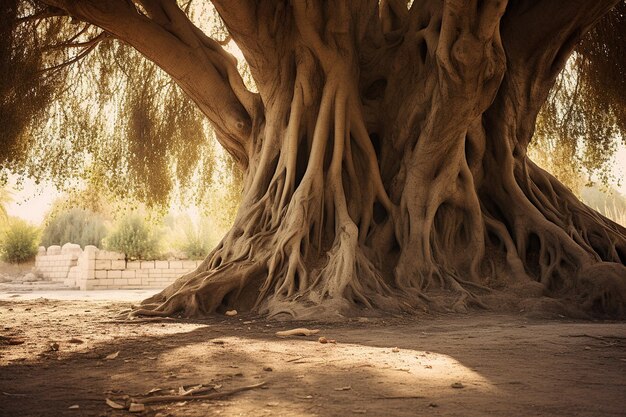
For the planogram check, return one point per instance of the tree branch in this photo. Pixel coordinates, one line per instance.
(545, 32)
(42, 14)
(73, 60)
(258, 42)
(70, 44)
(168, 38)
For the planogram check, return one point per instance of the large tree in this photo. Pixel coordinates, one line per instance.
(384, 150)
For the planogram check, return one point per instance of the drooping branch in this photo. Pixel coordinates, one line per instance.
(166, 36)
(86, 48)
(82, 44)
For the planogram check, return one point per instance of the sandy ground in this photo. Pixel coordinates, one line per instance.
(53, 356)
(132, 296)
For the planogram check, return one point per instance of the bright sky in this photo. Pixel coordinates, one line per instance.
(32, 201)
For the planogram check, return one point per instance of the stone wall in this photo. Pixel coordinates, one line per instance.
(94, 269)
(55, 263)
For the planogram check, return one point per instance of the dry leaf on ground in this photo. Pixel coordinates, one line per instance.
(112, 356)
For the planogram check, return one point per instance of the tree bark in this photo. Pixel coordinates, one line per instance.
(385, 157)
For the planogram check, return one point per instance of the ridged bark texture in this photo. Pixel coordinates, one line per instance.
(386, 164)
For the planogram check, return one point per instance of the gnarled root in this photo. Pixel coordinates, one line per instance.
(205, 292)
(601, 289)
(345, 208)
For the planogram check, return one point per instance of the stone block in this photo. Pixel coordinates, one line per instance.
(120, 282)
(189, 265)
(53, 250)
(114, 274)
(70, 248)
(90, 252)
(161, 264)
(129, 273)
(103, 264)
(133, 265)
(87, 263)
(118, 264)
(100, 274)
(142, 273)
(135, 282)
(147, 264)
(176, 264)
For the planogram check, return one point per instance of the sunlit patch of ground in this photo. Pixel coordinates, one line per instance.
(464, 365)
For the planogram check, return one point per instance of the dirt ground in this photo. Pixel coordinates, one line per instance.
(57, 354)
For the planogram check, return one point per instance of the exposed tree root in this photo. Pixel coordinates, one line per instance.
(203, 293)
(379, 176)
(191, 395)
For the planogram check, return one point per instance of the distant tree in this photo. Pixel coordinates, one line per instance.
(135, 237)
(78, 226)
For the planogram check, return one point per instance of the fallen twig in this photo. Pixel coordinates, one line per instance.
(400, 397)
(212, 396)
(8, 394)
(197, 390)
(301, 331)
(141, 320)
(296, 359)
(603, 338)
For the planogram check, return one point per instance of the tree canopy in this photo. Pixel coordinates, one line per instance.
(76, 102)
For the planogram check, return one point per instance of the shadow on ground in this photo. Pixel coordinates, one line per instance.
(506, 365)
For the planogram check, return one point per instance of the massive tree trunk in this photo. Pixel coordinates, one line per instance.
(385, 158)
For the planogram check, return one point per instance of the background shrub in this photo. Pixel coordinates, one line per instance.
(79, 226)
(135, 237)
(18, 241)
(196, 240)
(189, 238)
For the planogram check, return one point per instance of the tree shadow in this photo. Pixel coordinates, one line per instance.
(481, 365)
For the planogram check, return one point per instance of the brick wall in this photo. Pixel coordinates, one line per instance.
(94, 269)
